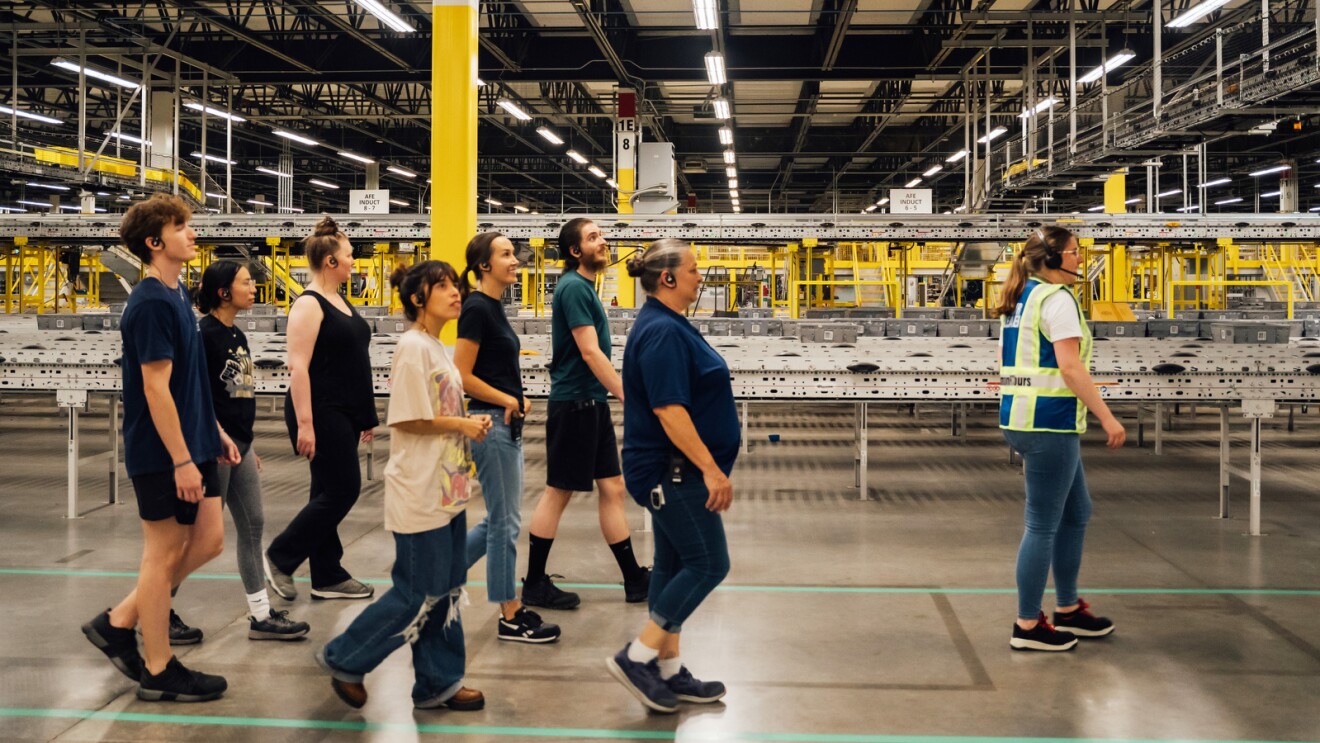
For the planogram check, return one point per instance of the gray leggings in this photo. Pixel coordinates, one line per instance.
(240, 489)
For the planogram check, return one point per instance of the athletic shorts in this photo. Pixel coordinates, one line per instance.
(158, 499)
(580, 444)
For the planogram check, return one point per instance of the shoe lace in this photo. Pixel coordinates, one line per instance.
(1044, 623)
(278, 615)
(528, 618)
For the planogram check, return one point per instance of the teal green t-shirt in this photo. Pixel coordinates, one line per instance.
(575, 305)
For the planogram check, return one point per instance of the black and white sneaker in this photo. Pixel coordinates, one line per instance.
(1042, 637)
(181, 633)
(118, 644)
(545, 594)
(1083, 623)
(526, 626)
(178, 684)
(277, 626)
(348, 589)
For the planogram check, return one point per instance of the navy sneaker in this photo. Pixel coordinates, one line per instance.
(637, 591)
(688, 689)
(118, 644)
(1041, 637)
(643, 681)
(181, 633)
(543, 593)
(179, 684)
(1083, 623)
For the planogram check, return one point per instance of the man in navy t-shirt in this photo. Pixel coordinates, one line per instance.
(171, 445)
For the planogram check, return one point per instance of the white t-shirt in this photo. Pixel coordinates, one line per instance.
(1059, 318)
(426, 480)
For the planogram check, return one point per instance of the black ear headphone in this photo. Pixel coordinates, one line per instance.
(484, 266)
(668, 279)
(1053, 258)
(154, 241)
(333, 262)
(226, 295)
(419, 299)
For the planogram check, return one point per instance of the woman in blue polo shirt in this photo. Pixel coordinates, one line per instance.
(680, 440)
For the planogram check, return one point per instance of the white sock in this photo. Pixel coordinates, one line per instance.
(670, 666)
(639, 653)
(259, 605)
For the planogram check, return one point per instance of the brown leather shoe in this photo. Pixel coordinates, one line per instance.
(354, 695)
(464, 700)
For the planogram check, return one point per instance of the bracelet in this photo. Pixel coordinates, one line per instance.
(181, 465)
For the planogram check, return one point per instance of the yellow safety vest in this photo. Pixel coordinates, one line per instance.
(1033, 396)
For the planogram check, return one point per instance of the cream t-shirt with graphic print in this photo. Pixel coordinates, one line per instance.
(426, 480)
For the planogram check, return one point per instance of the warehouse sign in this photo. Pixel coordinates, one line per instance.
(369, 201)
(911, 201)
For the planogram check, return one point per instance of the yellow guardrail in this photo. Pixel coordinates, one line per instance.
(68, 157)
(1168, 297)
(795, 310)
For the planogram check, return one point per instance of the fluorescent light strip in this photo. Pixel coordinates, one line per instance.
(1048, 102)
(575, 157)
(549, 135)
(733, 184)
(216, 195)
(493, 202)
(1215, 182)
(1225, 202)
(513, 109)
(882, 202)
(258, 202)
(214, 111)
(955, 157)
(126, 138)
(998, 131)
(715, 68)
(386, 16)
(870, 209)
(1167, 194)
(28, 115)
(1192, 208)
(1270, 195)
(520, 208)
(912, 183)
(706, 13)
(51, 186)
(297, 138)
(612, 183)
(72, 208)
(1110, 64)
(730, 157)
(33, 203)
(734, 193)
(933, 171)
(1314, 209)
(395, 169)
(95, 73)
(596, 172)
(293, 209)
(398, 202)
(1133, 201)
(322, 184)
(721, 108)
(272, 171)
(13, 209)
(214, 159)
(1197, 13)
(1269, 171)
(1099, 208)
(731, 172)
(726, 136)
(358, 158)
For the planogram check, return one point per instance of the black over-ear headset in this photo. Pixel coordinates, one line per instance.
(1053, 258)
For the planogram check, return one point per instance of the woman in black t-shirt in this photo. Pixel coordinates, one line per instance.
(487, 355)
(226, 289)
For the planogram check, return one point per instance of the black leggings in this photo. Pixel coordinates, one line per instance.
(313, 535)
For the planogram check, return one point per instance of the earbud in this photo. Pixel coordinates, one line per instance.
(668, 279)
(485, 267)
(419, 299)
(154, 241)
(226, 295)
(333, 262)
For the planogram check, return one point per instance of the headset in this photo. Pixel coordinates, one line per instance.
(332, 261)
(668, 280)
(226, 295)
(1053, 256)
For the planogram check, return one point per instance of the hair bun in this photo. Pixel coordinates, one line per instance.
(325, 227)
(400, 272)
(637, 265)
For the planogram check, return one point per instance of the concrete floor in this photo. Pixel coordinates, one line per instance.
(842, 620)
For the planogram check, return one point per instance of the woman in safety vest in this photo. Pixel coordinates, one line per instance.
(1046, 390)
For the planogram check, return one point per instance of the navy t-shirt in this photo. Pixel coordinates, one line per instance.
(159, 324)
(667, 362)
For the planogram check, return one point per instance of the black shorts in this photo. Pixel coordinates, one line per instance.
(580, 446)
(158, 498)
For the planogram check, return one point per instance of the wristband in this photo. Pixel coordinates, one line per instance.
(181, 465)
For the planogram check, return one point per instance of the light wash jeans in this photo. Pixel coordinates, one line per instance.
(500, 471)
(691, 552)
(240, 490)
(420, 609)
(1058, 507)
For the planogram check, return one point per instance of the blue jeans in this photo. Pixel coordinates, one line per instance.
(691, 553)
(1058, 507)
(500, 471)
(420, 610)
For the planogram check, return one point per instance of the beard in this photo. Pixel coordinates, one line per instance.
(596, 261)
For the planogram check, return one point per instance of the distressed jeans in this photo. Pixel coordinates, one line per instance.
(420, 609)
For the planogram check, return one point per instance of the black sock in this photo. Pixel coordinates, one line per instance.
(623, 554)
(174, 591)
(537, 556)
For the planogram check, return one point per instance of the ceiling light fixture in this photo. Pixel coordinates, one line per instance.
(259, 202)
(549, 135)
(715, 68)
(297, 138)
(92, 72)
(726, 136)
(721, 108)
(995, 133)
(272, 171)
(730, 157)
(1269, 171)
(1167, 194)
(213, 111)
(733, 184)
(1133, 201)
(28, 115)
(955, 157)
(386, 16)
(933, 171)
(731, 172)
(1197, 13)
(127, 138)
(612, 183)
(1215, 182)
(359, 158)
(1110, 64)
(51, 186)
(520, 208)
(596, 172)
(1047, 103)
(398, 202)
(576, 157)
(493, 202)
(32, 203)
(214, 159)
(706, 13)
(1270, 195)
(882, 202)
(913, 183)
(216, 195)
(734, 194)
(395, 169)
(513, 109)
(322, 184)
(1191, 208)
(1099, 208)
(1225, 202)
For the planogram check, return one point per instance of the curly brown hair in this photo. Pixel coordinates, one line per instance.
(148, 219)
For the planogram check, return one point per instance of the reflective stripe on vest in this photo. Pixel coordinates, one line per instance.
(1033, 394)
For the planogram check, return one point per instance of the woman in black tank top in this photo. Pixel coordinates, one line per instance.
(329, 407)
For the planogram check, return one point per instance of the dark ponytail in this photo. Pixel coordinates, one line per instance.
(414, 284)
(219, 276)
(479, 251)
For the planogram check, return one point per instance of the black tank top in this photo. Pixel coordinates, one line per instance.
(340, 369)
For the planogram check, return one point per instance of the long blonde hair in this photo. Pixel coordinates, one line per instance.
(1043, 242)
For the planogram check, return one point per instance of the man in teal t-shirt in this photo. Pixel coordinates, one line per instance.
(581, 447)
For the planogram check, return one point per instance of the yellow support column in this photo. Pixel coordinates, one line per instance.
(1116, 192)
(625, 286)
(453, 133)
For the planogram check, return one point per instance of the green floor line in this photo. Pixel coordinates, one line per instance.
(579, 733)
(897, 590)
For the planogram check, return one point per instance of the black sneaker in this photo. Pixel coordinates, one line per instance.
(637, 591)
(277, 626)
(643, 681)
(688, 689)
(1041, 637)
(119, 645)
(182, 634)
(1083, 623)
(178, 684)
(526, 626)
(545, 594)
